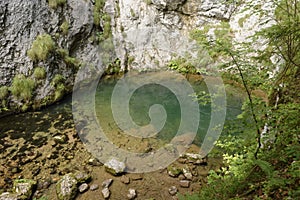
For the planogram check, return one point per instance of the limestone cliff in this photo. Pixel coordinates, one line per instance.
(46, 41)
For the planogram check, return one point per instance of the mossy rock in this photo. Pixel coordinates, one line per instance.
(66, 188)
(24, 188)
(174, 171)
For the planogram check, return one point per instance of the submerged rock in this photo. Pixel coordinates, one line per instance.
(66, 188)
(82, 177)
(132, 194)
(184, 183)
(105, 193)
(125, 179)
(173, 190)
(83, 187)
(107, 183)
(94, 187)
(8, 196)
(115, 167)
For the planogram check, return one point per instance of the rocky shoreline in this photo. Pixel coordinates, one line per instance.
(57, 166)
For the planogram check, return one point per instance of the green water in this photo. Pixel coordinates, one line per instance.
(30, 125)
(146, 96)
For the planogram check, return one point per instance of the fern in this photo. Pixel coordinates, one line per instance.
(265, 166)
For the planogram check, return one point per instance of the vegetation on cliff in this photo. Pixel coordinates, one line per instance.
(262, 158)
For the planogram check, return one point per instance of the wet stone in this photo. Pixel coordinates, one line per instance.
(24, 187)
(83, 187)
(94, 187)
(107, 183)
(115, 167)
(105, 193)
(82, 177)
(184, 183)
(94, 162)
(8, 196)
(173, 190)
(131, 194)
(125, 179)
(66, 188)
(60, 139)
(187, 174)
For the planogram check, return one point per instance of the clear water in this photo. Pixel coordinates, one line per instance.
(146, 96)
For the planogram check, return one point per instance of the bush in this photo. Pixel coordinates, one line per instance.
(64, 27)
(59, 92)
(39, 73)
(3, 92)
(55, 3)
(22, 87)
(41, 47)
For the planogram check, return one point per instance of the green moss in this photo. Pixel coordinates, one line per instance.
(39, 73)
(98, 7)
(58, 82)
(22, 87)
(56, 3)
(58, 78)
(74, 62)
(62, 52)
(3, 92)
(59, 91)
(41, 47)
(64, 27)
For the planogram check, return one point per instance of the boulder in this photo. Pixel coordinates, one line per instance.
(115, 167)
(66, 188)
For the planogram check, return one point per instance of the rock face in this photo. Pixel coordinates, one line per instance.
(152, 32)
(147, 34)
(69, 25)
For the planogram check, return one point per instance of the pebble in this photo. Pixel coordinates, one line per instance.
(94, 162)
(173, 190)
(125, 179)
(106, 183)
(184, 183)
(105, 193)
(83, 187)
(60, 139)
(131, 194)
(94, 187)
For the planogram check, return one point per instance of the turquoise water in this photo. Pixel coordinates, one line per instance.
(147, 95)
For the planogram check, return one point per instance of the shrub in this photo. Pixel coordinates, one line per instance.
(3, 92)
(59, 92)
(39, 73)
(55, 3)
(22, 87)
(41, 47)
(64, 27)
(70, 61)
